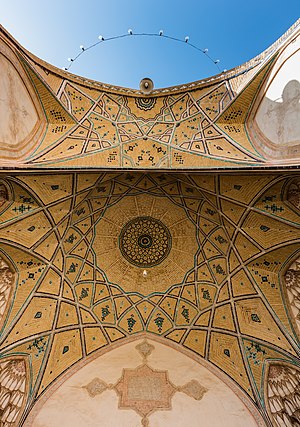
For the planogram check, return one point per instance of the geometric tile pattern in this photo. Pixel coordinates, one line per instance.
(227, 306)
(176, 131)
(84, 124)
(107, 249)
(81, 123)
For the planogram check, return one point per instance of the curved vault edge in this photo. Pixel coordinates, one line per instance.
(260, 59)
(150, 338)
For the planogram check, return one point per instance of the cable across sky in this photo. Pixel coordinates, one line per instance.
(130, 33)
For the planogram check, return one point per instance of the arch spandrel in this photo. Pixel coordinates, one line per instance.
(175, 386)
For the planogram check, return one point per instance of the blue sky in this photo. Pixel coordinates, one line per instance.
(233, 31)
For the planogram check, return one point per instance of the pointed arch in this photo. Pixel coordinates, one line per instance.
(101, 374)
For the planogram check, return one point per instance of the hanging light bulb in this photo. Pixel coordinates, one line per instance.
(205, 50)
(70, 59)
(186, 39)
(82, 47)
(101, 38)
(130, 32)
(216, 61)
(161, 32)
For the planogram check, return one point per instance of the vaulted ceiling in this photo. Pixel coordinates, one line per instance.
(99, 247)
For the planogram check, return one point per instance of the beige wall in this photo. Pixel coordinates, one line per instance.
(71, 405)
(278, 115)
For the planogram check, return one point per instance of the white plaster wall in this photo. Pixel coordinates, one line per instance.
(278, 115)
(18, 115)
(71, 406)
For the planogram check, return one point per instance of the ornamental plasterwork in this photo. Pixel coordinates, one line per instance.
(144, 389)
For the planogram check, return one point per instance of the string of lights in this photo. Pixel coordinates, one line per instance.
(130, 33)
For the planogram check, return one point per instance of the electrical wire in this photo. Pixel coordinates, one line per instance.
(132, 34)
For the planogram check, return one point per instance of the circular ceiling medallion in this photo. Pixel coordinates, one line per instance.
(145, 241)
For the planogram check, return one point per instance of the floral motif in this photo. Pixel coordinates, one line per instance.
(145, 241)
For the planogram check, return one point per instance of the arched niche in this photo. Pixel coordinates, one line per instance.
(142, 383)
(4, 195)
(291, 283)
(22, 118)
(282, 394)
(13, 390)
(274, 122)
(7, 282)
(293, 194)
